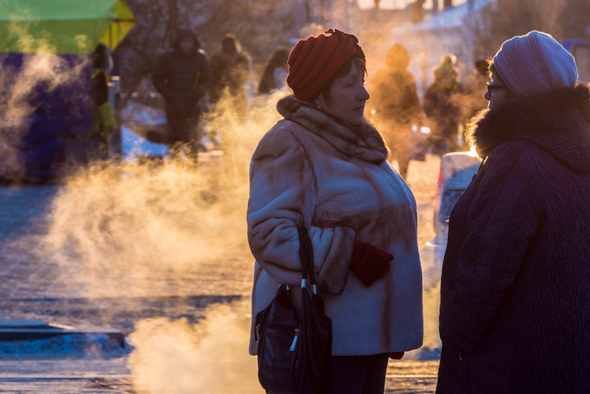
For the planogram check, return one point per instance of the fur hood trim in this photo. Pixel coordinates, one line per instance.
(367, 145)
(558, 122)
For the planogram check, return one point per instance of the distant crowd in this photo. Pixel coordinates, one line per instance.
(411, 128)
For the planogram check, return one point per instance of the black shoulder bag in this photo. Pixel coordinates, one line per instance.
(295, 344)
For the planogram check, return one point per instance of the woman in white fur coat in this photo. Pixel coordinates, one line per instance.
(324, 168)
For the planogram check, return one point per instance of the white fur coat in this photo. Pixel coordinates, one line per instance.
(310, 170)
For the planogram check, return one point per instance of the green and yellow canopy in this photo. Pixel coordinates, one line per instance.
(62, 26)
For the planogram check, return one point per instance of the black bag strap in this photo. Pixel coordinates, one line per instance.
(307, 263)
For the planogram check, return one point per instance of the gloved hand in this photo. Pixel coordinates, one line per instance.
(369, 262)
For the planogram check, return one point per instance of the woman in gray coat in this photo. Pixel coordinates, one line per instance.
(324, 168)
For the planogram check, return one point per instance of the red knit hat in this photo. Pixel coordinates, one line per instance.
(315, 60)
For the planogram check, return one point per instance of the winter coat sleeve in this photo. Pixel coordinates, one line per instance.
(100, 89)
(215, 88)
(267, 81)
(502, 218)
(206, 77)
(283, 191)
(203, 79)
(413, 108)
(430, 101)
(160, 77)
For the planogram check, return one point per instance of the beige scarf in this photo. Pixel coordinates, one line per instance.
(366, 145)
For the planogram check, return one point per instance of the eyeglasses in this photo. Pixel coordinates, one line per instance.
(492, 87)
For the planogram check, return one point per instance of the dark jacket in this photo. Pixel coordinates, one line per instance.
(515, 290)
(182, 78)
(230, 70)
(395, 97)
(442, 107)
(103, 119)
(278, 59)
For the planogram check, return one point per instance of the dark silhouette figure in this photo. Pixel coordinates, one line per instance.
(475, 87)
(230, 69)
(472, 100)
(442, 106)
(182, 76)
(396, 104)
(275, 72)
(103, 118)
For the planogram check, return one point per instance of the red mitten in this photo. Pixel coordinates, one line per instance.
(369, 262)
(396, 355)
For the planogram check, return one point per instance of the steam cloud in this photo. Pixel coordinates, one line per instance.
(176, 357)
(129, 223)
(41, 67)
(150, 230)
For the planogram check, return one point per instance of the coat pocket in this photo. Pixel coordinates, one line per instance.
(454, 369)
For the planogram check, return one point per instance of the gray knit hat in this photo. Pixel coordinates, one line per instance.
(535, 64)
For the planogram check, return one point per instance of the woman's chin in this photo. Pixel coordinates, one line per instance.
(357, 120)
(356, 116)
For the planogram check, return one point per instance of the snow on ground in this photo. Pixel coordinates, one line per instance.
(135, 113)
(134, 146)
(65, 345)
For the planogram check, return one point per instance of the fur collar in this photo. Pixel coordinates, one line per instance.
(366, 145)
(558, 122)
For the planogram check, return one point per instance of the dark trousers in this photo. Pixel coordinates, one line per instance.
(183, 135)
(182, 129)
(359, 374)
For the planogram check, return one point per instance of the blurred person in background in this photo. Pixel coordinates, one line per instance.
(182, 77)
(103, 118)
(324, 168)
(515, 299)
(230, 69)
(442, 106)
(472, 101)
(396, 104)
(275, 72)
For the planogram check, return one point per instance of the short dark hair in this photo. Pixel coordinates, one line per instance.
(357, 58)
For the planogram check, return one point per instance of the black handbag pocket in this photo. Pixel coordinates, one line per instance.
(277, 361)
(277, 330)
(295, 344)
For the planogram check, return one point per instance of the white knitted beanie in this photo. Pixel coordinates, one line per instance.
(535, 64)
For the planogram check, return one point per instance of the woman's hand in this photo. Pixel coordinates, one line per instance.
(369, 262)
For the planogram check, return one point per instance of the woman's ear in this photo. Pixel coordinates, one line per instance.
(319, 101)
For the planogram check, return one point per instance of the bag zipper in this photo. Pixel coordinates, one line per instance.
(294, 340)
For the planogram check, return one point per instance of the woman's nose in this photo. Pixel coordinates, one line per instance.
(364, 94)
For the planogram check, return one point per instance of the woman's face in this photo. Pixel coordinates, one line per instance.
(348, 97)
(497, 92)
